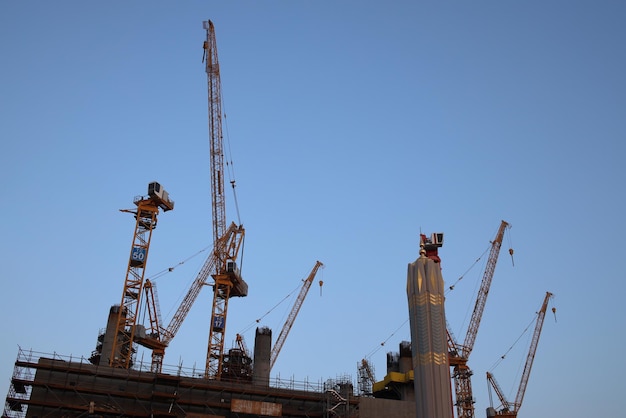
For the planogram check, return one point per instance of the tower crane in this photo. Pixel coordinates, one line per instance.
(160, 337)
(459, 354)
(226, 242)
(510, 409)
(292, 315)
(146, 220)
(221, 264)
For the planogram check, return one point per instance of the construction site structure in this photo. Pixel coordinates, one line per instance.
(510, 409)
(366, 377)
(459, 353)
(119, 347)
(57, 386)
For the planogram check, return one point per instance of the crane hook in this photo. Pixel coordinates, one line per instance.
(321, 284)
(554, 312)
(512, 260)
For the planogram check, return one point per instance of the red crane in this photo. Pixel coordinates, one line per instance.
(510, 409)
(459, 354)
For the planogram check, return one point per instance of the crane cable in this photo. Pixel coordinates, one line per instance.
(451, 288)
(229, 161)
(289, 295)
(382, 344)
(497, 363)
(230, 166)
(180, 263)
(247, 328)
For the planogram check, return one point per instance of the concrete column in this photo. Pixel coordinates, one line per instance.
(262, 351)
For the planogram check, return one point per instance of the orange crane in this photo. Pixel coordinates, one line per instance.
(221, 264)
(510, 409)
(146, 220)
(226, 242)
(294, 312)
(459, 354)
(159, 337)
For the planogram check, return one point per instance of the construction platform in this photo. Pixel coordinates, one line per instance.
(55, 386)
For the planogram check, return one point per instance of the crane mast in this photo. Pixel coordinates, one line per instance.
(459, 354)
(292, 315)
(145, 221)
(221, 263)
(509, 409)
(226, 276)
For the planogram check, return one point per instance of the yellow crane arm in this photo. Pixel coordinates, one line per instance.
(292, 315)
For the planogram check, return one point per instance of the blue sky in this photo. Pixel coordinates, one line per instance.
(352, 127)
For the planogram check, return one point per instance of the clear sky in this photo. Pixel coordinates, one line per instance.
(352, 126)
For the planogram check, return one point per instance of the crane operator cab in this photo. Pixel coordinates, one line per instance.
(157, 192)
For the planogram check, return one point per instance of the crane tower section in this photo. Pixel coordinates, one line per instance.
(226, 242)
(146, 221)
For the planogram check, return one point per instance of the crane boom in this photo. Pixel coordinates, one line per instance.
(459, 354)
(531, 352)
(215, 133)
(506, 405)
(481, 299)
(292, 315)
(509, 409)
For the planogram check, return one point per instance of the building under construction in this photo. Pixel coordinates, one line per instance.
(234, 382)
(55, 386)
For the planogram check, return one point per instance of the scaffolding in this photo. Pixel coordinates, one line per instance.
(53, 385)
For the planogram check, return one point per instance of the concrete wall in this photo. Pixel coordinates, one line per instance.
(387, 408)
